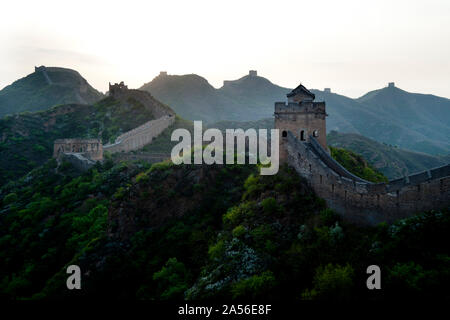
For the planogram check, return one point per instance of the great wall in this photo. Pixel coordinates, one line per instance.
(138, 137)
(83, 153)
(83, 85)
(302, 123)
(303, 146)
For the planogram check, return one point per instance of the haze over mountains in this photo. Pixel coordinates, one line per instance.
(246, 99)
(44, 88)
(412, 121)
(419, 122)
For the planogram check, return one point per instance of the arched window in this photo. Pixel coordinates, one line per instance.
(302, 135)
(316, 133)
(284, 134)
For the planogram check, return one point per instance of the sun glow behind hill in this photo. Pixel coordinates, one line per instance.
(362, 47)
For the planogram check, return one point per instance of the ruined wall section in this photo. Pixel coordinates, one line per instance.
(364, 202)
(90, 148)
(140, 136)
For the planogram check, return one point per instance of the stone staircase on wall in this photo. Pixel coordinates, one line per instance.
(361, 201)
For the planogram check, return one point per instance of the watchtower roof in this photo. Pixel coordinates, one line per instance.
(301, 89)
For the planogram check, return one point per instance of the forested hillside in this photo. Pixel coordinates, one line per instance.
(26, 140)
(197, 232)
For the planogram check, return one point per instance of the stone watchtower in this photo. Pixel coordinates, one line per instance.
(117, 88)
(301, 115)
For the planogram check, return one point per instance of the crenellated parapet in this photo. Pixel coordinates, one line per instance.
(302, 116)
(89, 148)
(286, 108)
(302, 125)
(361, 201)
(117, 89)
(140, 136)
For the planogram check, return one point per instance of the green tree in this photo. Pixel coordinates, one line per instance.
(10, 198)
(172, 279)
(412, 278)
(254, 286)
(331, 282)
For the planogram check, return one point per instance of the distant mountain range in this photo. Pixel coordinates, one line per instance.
(45, 88)
(389, 115)
(192, 97)
(412, 121)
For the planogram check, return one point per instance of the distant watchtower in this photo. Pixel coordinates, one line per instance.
(302, 116)
(117, 88)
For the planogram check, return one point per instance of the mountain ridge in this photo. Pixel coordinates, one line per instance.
(26, 140)
(45, 88)
(419, 122)
(210, 104)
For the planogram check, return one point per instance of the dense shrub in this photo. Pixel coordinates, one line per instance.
(331, 282)
(357, 165)
(257, 286)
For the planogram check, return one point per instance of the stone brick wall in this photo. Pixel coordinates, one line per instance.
(140, 136)
(147, 157)
(307, 117)
(90, 148)
(363, 202)
(84, 152)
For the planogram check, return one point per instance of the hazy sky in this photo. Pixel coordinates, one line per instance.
(350, 46)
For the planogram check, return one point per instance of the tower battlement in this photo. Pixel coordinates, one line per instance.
(302, 107)
(91, 148)
(40, 68)
(303, 146)
(117, 88)
(301, 115)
